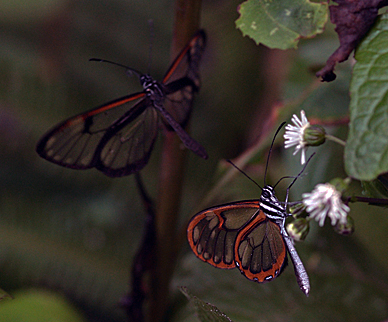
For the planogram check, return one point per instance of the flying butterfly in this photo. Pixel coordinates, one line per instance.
(117, 137)
(249, 235)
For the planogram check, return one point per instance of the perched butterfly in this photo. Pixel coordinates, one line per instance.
(117, 137)
(249, 235)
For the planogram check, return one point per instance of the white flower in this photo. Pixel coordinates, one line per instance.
(325, 200)
(294, 135)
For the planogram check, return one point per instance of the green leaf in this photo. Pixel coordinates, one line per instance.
(206, 311)
(366, 152)
(280, 24)
(376, 188)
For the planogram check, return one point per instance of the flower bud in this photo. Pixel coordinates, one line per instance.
(314, 135)
(345, 228)
(298, 210)
(298, 229)
(340, 184)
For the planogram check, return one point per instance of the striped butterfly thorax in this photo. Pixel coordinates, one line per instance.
(117, 137)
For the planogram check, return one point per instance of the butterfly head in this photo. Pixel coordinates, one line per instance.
(146, 81)
(152, 88)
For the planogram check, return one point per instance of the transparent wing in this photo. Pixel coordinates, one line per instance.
(78, 142)
(212, 233)
(126, 147)
(182, 79)
(261, 253)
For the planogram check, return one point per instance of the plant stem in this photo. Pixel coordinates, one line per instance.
(335, 139)
(372, 201)
(187, 14)
(167, 209)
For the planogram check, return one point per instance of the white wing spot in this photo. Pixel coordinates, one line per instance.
(253, 25)
(288, 12)
(50, 142)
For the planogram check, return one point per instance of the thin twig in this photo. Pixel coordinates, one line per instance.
(143, 261)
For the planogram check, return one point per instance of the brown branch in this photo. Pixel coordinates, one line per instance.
(187, 14)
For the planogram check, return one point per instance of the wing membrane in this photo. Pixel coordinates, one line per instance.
(212, 233)
(73, 143)
(127, 145)
(182, 79)
(261, 252)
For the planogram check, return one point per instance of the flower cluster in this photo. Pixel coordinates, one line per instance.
(303, 135)
(294, 135)
(325, 201)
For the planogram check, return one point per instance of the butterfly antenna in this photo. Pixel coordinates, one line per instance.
(295, 178)
(131, 70)
(282, 178)
(270, 150)
(152, 34)
(244, 174)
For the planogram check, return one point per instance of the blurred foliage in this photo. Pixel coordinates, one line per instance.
(367, 146)
(75, 232)
(39, 306)
(206, 312)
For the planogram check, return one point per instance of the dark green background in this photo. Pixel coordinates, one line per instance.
(76, 231)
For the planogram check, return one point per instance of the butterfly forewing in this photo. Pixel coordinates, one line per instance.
(73, 143)
(212, 233)
(261, 252)
(182, 79)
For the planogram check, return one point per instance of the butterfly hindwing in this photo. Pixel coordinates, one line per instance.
(182, 79)
(126, 146)
(261, 253)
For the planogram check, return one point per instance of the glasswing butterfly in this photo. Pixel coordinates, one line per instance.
(117, 137)
(249, 235)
